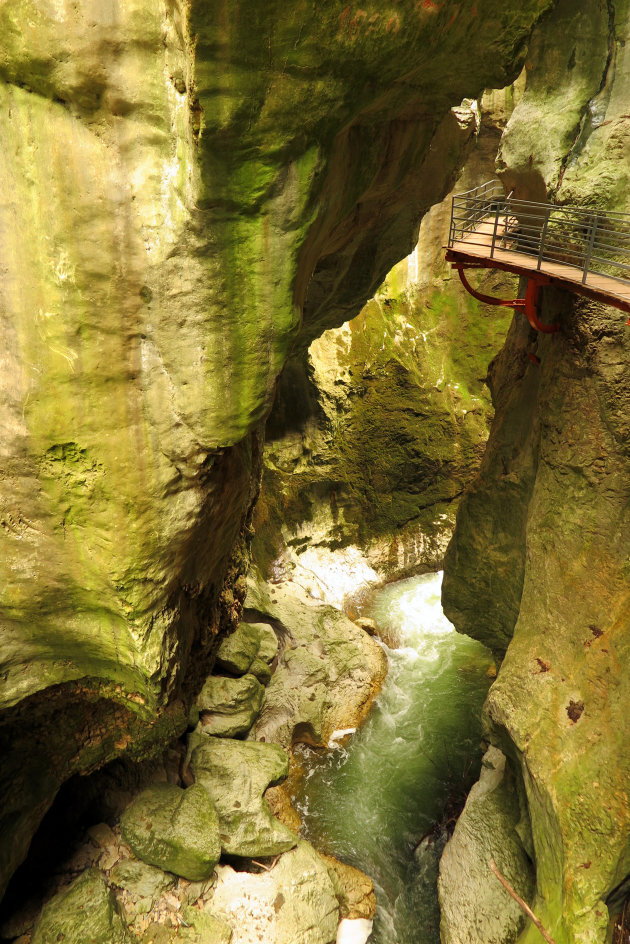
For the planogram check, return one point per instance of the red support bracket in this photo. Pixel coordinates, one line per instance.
(528, 305)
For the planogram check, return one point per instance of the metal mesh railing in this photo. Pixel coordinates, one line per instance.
(589, 241)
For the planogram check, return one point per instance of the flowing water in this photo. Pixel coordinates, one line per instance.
(375, 802)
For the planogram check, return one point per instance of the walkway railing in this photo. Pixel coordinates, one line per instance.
(589, 241)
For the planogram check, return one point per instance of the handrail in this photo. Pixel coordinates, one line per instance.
(590, 241)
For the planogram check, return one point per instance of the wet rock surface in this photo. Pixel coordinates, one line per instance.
(175, 829)
(229, 706)
(235, 775)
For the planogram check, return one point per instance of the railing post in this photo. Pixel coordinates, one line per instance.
(589, 248)
(494, 232)
(543, 236)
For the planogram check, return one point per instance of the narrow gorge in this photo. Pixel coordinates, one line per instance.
(249, 415)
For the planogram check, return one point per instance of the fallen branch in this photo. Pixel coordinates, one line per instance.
(268, 868)
(519, 901)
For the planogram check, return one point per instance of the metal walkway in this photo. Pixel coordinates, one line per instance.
(579, 250)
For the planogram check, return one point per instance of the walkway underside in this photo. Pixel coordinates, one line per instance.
(474, 250)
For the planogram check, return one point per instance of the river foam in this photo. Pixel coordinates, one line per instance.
(375, 799)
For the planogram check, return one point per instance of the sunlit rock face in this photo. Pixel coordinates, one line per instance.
(186, 188)
(538, 568)
(378, 429)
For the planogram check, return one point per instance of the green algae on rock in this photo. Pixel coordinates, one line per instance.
(538, 567)
(176, 830)
(377, 432)
(268, 642)
(229, 706)
(238, 650)
(236, 775)
(84, 913)
(262, 670)
(202, 928)
(142, 885)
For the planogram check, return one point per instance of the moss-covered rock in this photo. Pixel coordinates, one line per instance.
(328, 671)
(238, 650)
(174, 179)
(174, 829)
(142, 885)
(229, 706)
(376, 434)
(268, 649)
(260, 668)
(140, 879)
(202, 928)
(236, 775)
(84, 913)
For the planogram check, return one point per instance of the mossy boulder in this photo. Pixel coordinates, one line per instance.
(203, 928)
(261, 670)
(140, 879)
(327, 674)
(176, 830)
(238, 650)
(229, 706)
(236, 775)
(84, 913)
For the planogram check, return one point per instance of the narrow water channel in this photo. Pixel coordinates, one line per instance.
(375, 802)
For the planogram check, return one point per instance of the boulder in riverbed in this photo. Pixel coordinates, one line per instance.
(238, 650)
(327, 674)
(176, 830)
(236, 774)
(229, 706)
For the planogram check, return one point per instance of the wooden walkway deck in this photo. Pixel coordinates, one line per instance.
(475, 248)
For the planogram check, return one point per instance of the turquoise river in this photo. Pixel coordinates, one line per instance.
(384, 800)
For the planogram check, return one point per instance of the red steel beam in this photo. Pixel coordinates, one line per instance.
(528, 305)
(475, 262)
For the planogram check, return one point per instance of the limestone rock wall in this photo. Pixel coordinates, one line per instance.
(538, 567)
(186, 187)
